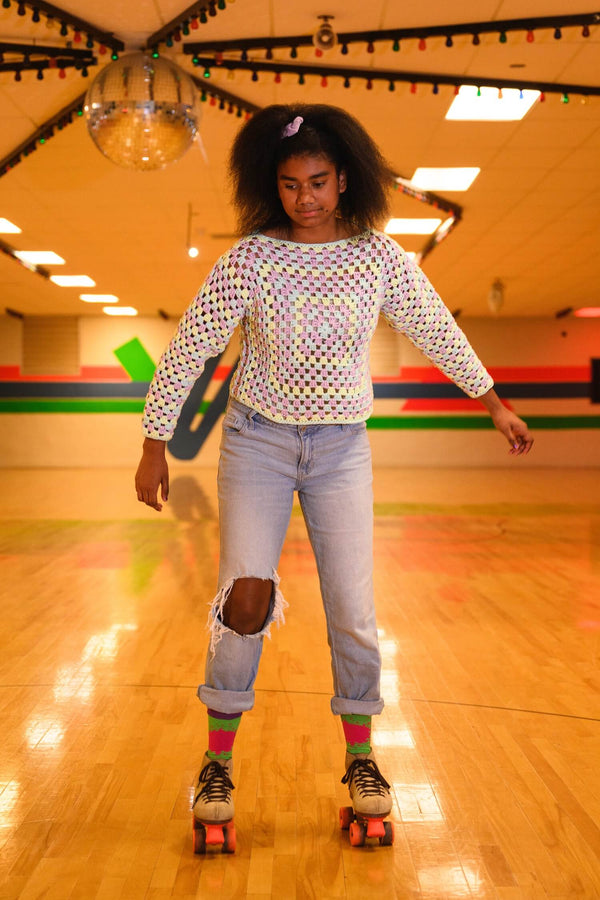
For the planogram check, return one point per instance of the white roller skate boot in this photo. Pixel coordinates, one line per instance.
(213, 806)
(371, 801)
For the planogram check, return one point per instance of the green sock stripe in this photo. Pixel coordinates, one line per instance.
(357, 731)
(356, 719)
(225, 754)
(223, 724)
(359, 748)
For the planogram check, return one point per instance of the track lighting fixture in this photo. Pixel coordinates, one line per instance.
(325, 37)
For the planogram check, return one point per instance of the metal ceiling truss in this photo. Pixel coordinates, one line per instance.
(67, 20)
(74, 110)
(39, 58)
(41, 135)
(190, 18)
(502, 27)
(390, 75)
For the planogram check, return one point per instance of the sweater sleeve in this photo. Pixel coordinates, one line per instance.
(204, 331)
(412, 306)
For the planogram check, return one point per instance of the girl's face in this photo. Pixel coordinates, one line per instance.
(309, 189)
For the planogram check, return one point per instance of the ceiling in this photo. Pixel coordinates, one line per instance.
(531, 218)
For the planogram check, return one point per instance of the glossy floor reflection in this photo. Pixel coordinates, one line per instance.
(488, 590)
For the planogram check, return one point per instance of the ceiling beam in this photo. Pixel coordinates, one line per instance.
(199, 12)
(74, 111)
(77, 24)
(30, 50)
(12, 253)
(61, 120)
(226, 96)
(500, 26)
(394, 75)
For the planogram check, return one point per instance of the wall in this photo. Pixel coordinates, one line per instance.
(541, 366)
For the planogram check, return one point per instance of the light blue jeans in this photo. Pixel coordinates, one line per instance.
(262, 464)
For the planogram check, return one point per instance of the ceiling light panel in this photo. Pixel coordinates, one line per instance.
(488, 104)
(587, 312)
(120, 311)
(7, 227)
(40, 257)
(73, 280)
(98, 298)
(454, 178)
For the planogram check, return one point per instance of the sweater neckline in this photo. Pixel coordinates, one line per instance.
(302, 245)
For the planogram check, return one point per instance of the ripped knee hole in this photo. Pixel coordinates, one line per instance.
(247, 607)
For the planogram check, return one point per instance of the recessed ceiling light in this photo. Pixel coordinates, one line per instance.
(73, 280)
(120, 311)
(7, 227)
(412, 226)
(454, 178)
(488, 104)
(40, 257)
(98, 298)
(587, 312)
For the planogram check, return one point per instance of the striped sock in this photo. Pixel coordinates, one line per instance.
(221, 733)
(357, 731)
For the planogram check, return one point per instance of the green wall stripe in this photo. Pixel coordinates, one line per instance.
(477, 423)
(136, 360)
(125, 405)
(118, 405)
(381, 423)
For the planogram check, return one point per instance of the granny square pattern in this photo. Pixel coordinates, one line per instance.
(307, 313)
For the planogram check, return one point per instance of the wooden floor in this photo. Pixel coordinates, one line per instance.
(488, 591)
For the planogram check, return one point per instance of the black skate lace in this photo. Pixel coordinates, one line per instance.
(218, 784)
(369, 780)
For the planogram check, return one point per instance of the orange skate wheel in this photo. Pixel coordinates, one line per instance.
(358, 834)
(346, 817)
(199, 834)
(230, 840)
(388, 839)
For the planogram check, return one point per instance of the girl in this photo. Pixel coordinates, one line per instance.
(306, 284)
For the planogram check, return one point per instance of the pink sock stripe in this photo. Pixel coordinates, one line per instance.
(221, 741)
(356, 734)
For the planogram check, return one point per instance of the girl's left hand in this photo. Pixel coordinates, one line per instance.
(515, 430)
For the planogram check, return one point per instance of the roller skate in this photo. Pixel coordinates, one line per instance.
(371, 802)
(213, 807)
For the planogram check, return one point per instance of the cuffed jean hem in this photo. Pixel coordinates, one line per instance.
(342, 706)
(226, 701)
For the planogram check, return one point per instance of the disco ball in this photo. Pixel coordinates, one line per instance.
(142, 113)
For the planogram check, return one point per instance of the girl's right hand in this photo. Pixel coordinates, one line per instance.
(152, 473)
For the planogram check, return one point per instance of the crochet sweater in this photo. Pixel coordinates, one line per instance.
(306, 314)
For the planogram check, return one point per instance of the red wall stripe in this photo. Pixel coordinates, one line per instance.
(418, 374)
(431, 375)
(88, 373)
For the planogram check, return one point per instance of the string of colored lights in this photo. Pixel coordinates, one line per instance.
(189, 20)
(501, 27)
(392, 76)
(42, 135)
(213, 94)
(229, 102)
(199, 13)
(225, 100)
(39, 58)
(65, 20)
